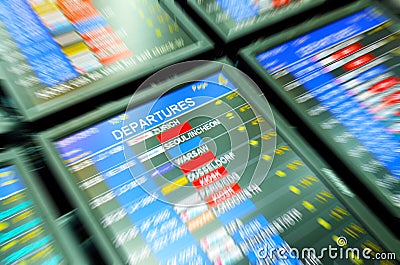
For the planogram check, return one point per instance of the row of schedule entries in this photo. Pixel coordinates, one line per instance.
(175, 161)
(24, 238)
(61, 40)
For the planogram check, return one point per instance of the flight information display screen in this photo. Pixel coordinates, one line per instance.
(345, 77)
(24, 237)
(54, 48)
(140, 178)
(233, 16)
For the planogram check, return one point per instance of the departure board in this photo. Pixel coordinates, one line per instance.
(25, 237)
(60, 52)
(343, 78)
(232, 19)
(167, 186)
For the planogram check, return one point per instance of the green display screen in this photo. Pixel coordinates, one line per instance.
(137, 174)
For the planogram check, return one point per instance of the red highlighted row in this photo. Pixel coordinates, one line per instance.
(280, 3)
(197, 162)
(223, 195)
(346, 51)
(360, 61)
(210, 178)
(78, 10)
(174, 132)
(392, 99)
(384, 84)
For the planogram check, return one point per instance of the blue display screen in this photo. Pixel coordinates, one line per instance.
(24, 237)
(242, 10)
(350, 67)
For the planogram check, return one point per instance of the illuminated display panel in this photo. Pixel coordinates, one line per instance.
(293, 207)
(235, 18)
(24, 235)
(59, 52)
(344, 80)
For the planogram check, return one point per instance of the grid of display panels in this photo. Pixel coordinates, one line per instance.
(127, 202)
